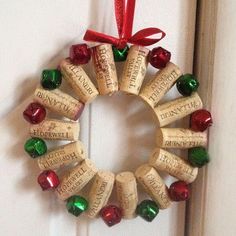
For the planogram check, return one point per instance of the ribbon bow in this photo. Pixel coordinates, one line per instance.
(124, 12)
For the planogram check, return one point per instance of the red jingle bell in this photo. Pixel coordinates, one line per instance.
(179, 191)
(200, 120)
(159, 57)
(111, 215)
(80, 54)
(34, 113)
(48, 179)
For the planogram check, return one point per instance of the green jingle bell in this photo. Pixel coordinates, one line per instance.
(76, 205)
(148, 210)
(120, 54)
(198, 157)
(35, 147)
(51, 79)
(187, 84)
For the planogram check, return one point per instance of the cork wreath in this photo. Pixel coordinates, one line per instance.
(48, 97)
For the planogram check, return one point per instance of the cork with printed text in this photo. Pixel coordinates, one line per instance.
(100, 192)
(105, 69)
(53, 129)
(180, 138)
(134, 69)
(177, 109)
(153, 92)
(79, 81)
(59, 102)
(76, 179)
(153, 184)
(67, 154)
(175, 166)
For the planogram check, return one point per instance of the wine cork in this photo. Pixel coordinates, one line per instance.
(59, 102)
(56, 130)
(153, 184)
(134, 69)
(177, 109)
(76, 179)
(79, 81)
(100, 192)
(180, 138)
(127, 195)
(162, 82)
(105, 69)
(63, 155)
(173, 165)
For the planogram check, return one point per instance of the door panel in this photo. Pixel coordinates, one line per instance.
(118, 131)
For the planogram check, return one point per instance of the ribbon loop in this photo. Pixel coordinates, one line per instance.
(119, 13)
(141, 37)
(94, 36)
(124, 19)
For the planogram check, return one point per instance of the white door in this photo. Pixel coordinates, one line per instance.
(118, 131)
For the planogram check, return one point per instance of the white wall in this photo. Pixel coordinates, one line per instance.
(119, 131)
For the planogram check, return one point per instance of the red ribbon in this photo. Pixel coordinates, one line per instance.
(124, 12)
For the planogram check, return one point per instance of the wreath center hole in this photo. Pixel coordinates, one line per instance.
(122, 132)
